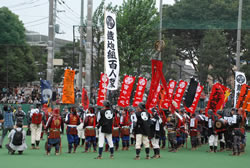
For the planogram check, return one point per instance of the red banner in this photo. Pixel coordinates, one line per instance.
(243, 93)
(244, 97)
(155, 99)
(141, 85)
(157, 76)
(126, 90)
(227, 93)
(179, 93)
(192, 108)
(216, 98)
(246, 103)
(169, 94)
(85, 99)
(102, 92)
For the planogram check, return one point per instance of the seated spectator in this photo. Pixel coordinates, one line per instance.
(17, 140)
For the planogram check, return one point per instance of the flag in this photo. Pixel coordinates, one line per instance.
(68, 96)
(179, 93)
(85, 99)
(190, 94)
(197, 96)
(126, 90)
(111, 57)
(141, 85)
(240, 79)
(46, 91)
(157, 76)
(102, 92)
(216, 98)
(169, 94)
(227, 94)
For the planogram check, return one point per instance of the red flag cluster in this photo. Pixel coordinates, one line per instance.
(192, 108)
(102, 89)
(141, 85)
(126, 90)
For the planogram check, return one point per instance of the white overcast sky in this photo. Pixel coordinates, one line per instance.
(34, 13)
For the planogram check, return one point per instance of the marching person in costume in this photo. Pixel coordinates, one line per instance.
(156, 131)
(90, 132)
(125, 129)
(142, 130)
(133, 120)
(220, 129)
(64, 113)
(237, 134)
(116, 130)
(163, 133)
(36, 127)
(193, 131)
(243, 125)
(202, 126)
(47, 112)
(180, 130)
(213, 137)
(105, 121)
(53, 125)
(72, 120)
(171, 127)
(80, 128)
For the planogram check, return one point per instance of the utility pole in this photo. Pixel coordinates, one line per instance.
(160, 33)
(51, 41)
(74, 47)
(88, 60)
(239, 36)
(81, 46)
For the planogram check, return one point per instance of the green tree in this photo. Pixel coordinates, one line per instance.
(66, 53)
(187, 21)
(17, 63)
(137, 28)
(246, 57)
(214, 60)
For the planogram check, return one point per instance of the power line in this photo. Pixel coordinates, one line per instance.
(70, 8)
(33, 16)
(66, 7)
(64, 23)
(42, 4)
(23, 4)
(37, 20)
(36, 24)
(70, 18)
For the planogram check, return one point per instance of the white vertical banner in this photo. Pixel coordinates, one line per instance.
(111, 57)
(240, 79)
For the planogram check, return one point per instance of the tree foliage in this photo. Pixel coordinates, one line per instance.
(187, 23)
(246, 57)
(17, 63)
(137, 26)
(214, 60)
